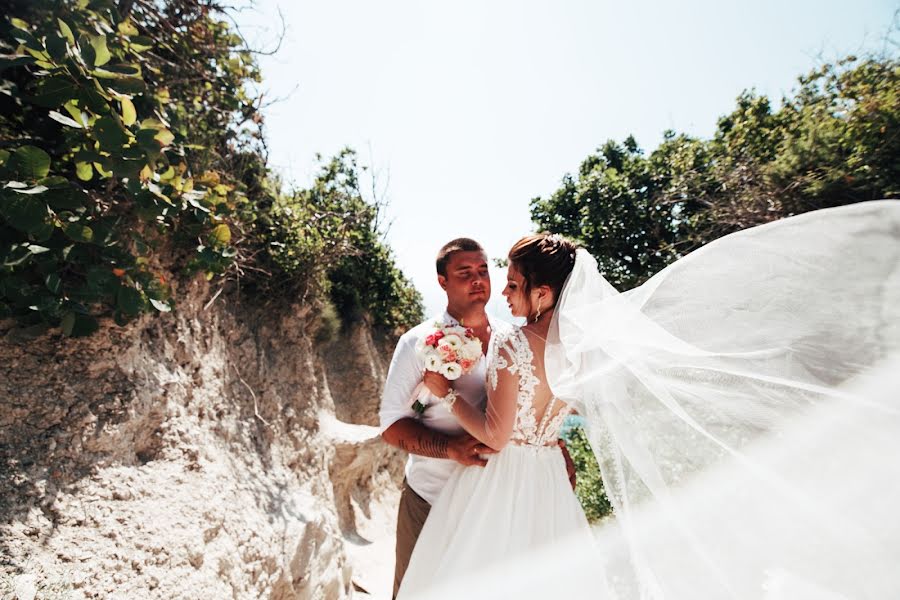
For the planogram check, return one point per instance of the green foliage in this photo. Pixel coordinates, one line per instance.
(611, 208)
(836, 141)
(103, 164)
(589, 486)
(324, 242)
(130, 148)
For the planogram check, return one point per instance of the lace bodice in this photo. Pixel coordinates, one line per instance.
(513, 353)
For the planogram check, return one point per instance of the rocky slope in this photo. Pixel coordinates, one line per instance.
(209, 453)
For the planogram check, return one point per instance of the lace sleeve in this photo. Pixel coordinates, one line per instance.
(494, 426)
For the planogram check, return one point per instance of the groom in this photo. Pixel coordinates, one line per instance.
(434, 439)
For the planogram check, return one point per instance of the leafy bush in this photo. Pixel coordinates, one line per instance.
(324, 242)
(101, 169)
(131, 149)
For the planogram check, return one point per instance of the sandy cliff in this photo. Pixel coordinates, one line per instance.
(213, 452)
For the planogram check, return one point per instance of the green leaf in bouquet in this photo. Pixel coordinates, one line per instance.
(104, 232)
(44, 232)
(49, 306)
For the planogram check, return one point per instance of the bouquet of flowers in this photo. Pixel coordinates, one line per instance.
(450, 350)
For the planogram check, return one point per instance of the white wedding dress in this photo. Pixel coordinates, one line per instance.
(519, 503)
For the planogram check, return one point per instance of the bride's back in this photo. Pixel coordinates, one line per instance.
(539, 414)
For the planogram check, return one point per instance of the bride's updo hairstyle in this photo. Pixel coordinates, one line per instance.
(544, 259)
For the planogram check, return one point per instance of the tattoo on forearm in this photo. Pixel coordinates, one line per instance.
(426, 445)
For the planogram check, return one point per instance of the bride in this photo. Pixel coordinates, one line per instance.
(719, 400)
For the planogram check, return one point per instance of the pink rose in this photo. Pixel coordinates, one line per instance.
(433, 339)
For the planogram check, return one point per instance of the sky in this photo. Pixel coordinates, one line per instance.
(465, 111)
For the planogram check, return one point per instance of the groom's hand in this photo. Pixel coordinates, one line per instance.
(466, 450)
(570, 464)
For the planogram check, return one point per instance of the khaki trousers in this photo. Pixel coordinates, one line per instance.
(410, 518)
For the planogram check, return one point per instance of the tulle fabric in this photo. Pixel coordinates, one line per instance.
(843, 457)
(713, 375)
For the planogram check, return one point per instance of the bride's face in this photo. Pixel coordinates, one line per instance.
(514, 292)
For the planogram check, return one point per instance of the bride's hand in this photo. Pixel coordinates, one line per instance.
(436, 383)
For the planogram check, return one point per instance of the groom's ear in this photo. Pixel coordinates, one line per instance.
(442, 281)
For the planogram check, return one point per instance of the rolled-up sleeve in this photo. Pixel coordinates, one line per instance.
(404, 375)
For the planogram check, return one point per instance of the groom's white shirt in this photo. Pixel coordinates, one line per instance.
(427, 476)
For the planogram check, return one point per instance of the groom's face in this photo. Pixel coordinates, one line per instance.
(467, 282)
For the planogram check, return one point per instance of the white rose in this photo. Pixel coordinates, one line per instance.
(451, 371)
(432, 360)
(473, 348)
(452, 340)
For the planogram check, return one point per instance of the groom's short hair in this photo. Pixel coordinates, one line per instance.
(452, 247)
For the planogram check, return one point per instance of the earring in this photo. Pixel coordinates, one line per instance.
(538, 314)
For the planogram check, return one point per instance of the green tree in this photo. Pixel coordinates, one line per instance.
(324, 243)
(835, 141)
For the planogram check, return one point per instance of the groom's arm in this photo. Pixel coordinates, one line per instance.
(399, 425)
(410, 435)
